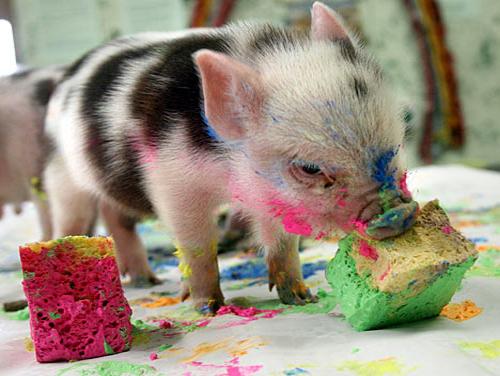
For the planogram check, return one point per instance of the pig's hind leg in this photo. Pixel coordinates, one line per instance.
(131, 254)
(282, 256)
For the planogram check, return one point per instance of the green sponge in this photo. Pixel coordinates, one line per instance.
(402, 279)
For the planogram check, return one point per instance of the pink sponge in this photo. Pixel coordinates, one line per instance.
(76, 302)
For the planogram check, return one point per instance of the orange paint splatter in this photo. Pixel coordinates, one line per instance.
(461, 311)
(486, 247)
(162, 302)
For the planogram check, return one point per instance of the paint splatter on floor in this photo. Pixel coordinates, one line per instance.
(461, 311)
(326, 303)
(21, 315)
(109, 368)
(489, 350)
(162, 302)
(258, 269)
(487, 265)
(28, 344)
(381, 367)
(296, 372)
(231, 368)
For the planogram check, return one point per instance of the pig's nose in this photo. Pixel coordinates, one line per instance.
(394, 221)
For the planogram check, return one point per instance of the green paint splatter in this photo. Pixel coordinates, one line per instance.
(489, 350)
(380, 367)
(326, 303)
(21, 315)
(28, 275)
(487, 265)
(110, 368)
(164, 347)
(108, 349)
(141, 325)
(141, 332)
(54, 315)
(355, 350)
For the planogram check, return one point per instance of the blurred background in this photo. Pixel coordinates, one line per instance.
(440, 56)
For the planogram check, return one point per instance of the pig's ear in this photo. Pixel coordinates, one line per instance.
(326, 24)
(232, 92)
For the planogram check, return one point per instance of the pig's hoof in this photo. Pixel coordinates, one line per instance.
(295, 294)
(209, 306)
(141, 281)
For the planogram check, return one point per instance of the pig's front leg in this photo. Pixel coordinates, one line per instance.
(282, 256)
(131, 254)
(189, 212)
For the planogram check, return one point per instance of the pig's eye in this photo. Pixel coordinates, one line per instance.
(306, 172)
(311, 169)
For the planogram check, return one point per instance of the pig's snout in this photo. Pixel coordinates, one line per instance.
(393, 221)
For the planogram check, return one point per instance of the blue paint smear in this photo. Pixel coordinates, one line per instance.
(478, 240)
(209, 129)
(296, 371)
(380, 170)
(258, 269)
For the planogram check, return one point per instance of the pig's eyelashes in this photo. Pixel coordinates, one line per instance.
(311, 174)
(311, 169)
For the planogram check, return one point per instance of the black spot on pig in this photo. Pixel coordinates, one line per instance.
(43, 89)
(171, 90)
(271, 37)
(347, 49)
(125, 183)
(360, 88)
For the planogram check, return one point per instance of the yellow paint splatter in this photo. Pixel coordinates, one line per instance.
(184, 267)
(380, 367)
(162, 302)
(229, 345)
(28, 344)
(489, 350)
(170, 352)
(461, 311)
(206, 348)
(242, 347)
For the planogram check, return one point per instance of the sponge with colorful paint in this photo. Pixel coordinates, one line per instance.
(75, 299)
(379, 283)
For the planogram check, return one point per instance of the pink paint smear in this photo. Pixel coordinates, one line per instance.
(403, 184)
(231, 368)
(366, 250)
(385, 274)
(291, 217)
(250, 314)
(360, 226)
(447, 229)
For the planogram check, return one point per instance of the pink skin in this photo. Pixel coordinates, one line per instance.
(148, 154)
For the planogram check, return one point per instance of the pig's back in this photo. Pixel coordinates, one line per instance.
(128, 97)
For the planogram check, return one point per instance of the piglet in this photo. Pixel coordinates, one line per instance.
(295, 129)
(23, 103)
